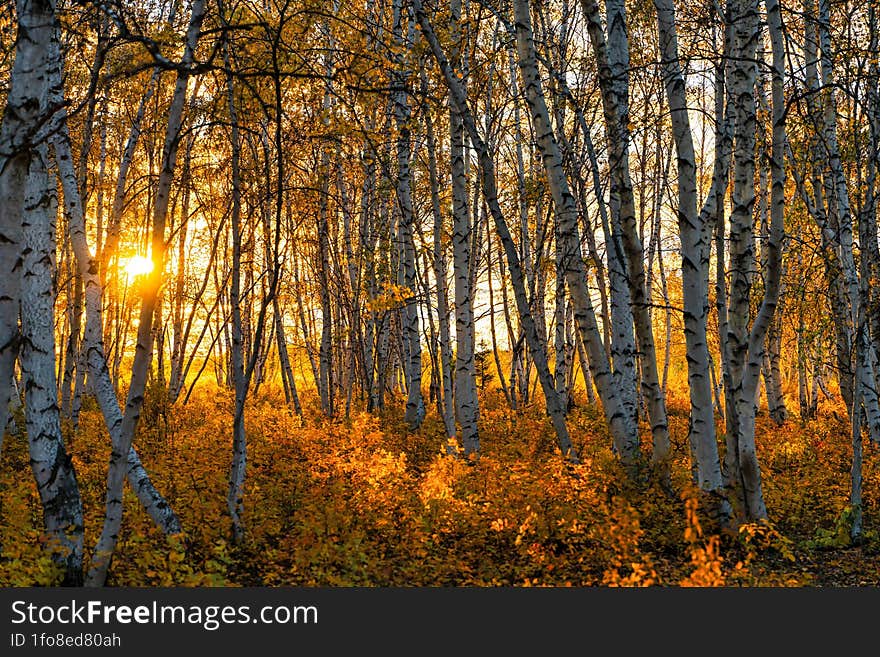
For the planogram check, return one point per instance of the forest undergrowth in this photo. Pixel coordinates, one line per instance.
(362, 501)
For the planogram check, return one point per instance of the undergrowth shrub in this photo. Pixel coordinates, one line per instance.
(363, 501)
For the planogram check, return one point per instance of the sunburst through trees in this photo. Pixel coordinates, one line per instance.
(495, 291)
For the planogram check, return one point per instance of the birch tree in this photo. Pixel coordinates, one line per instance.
(93, 338)
(490, 194)
(612, 57)
(52, 467)
(27, 259)
(402, 31)
(240, 382)
(446, 399)
(830, 208)
(745, 344)
(23, 116)
(134, 400)
(622, 424)
(466, 404)
(695, 229)
(326, 378)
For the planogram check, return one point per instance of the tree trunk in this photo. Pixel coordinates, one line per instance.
(613, 61)
(624, 430)
(325, 380)
(490, 195)
(240, 384)
(402, 31)
(52, 467)
(446, 401)
(694, 231)
(22, 118)
(466, 402)
(140, 366)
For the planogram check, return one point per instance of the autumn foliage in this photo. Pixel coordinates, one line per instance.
(363, 502)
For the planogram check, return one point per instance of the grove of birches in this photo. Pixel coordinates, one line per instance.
(423, 293)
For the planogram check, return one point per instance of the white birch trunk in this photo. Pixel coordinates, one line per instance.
(52, 467)
(326, 374)
(490, 194)
(520, 367)
(741, 460)
(868, 220)
(447, 408)
(93, 342)
(613, 61)
(140, 366)
(623, 428)
(403, 32)
(746, 345)
(694, 232)
(234, 503)
(466, 402)
(24, 112)
(865, 351)
(865, 382)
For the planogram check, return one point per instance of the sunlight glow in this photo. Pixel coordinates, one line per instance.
(137, 266)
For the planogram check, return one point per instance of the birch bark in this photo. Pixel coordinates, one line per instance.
(466, 403)
(694, 232)
(140, 366)
(24, 113)
(402, 32)
(490, 195)
(613, 61)
(51, 465)
(622, 423)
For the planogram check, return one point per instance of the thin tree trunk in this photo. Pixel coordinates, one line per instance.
(446, 402)
(178, 329)
(613, 61)
(492, 333)
(284, 359)
(403, 33)
(490, 195)
(240, 383)
(865, 353)
(72, 348)
(623, 428)
(466, 402)
(326, 375)
(140, 366)
(694, 231)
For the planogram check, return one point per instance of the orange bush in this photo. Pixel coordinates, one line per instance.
(363, 501)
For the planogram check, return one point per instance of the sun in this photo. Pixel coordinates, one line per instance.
(137, 266)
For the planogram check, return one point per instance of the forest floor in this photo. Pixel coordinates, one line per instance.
(363, 502)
